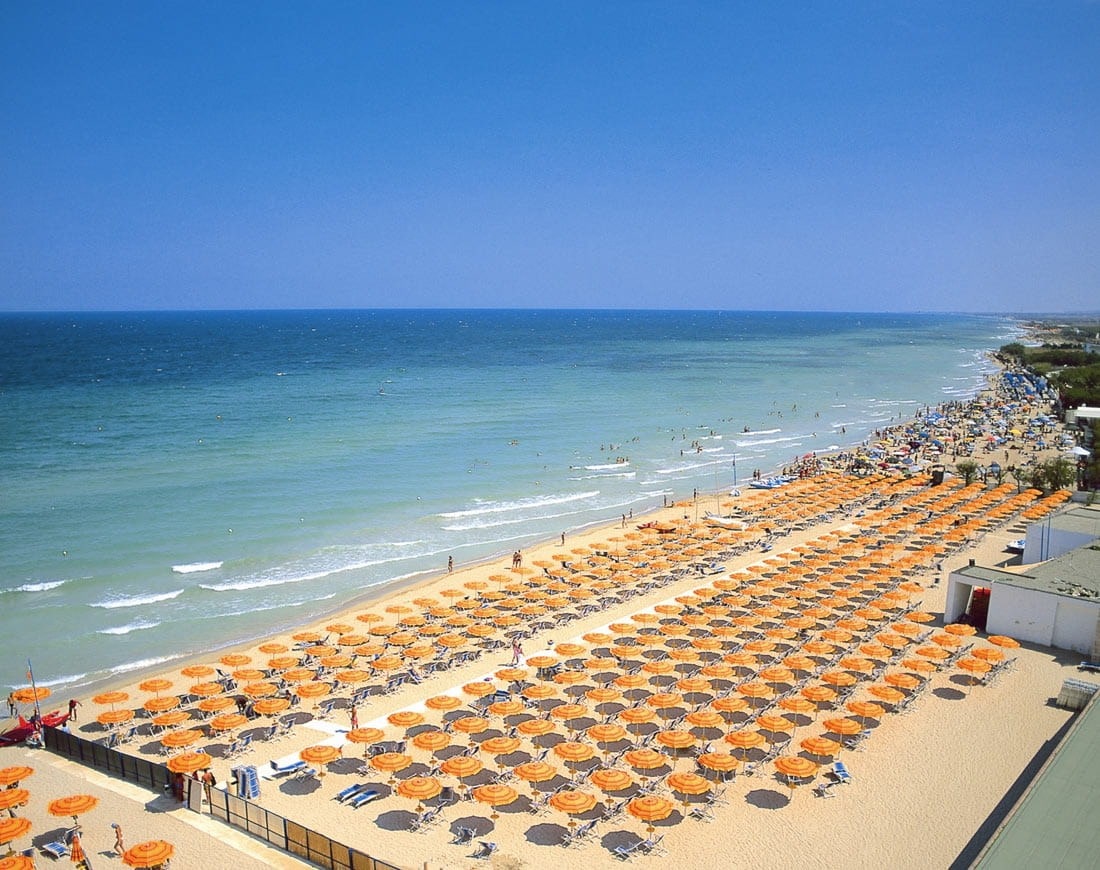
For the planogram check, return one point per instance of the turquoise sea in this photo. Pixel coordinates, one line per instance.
(172, 483)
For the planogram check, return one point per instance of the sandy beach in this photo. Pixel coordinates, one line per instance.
(922, 784)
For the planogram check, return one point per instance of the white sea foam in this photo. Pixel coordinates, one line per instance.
(135, 600)
(520, 504)
(492, 524)
(58, 681)
(626, 474)
(759, 442)
(264, 607)
(137, 625)
(144, 663)
(196, 567)
(44, 586)
(605, 467)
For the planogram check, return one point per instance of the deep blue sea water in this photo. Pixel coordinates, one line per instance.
(177, 482)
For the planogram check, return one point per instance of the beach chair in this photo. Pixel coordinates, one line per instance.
(653, 846)
(824, 789)
(293, 767)
(56, 849)
(840, 771)
(463, 836)
(625, 853)
(573, 836)
(485, 849)
(427, 819)
(364, 798)
(325, 708)
(350, 792)
(702, 812)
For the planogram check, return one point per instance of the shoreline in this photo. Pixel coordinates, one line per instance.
(938, 728)
(397, 587)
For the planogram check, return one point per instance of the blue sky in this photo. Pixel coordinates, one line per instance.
(843, 156)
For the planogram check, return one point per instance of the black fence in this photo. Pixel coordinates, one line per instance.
(270, 827)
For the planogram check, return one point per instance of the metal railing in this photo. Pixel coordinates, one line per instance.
(277, 831)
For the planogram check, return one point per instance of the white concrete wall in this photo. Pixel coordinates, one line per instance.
(1075, 625)
(1045, 542)
(958, 597)
(1024, 614)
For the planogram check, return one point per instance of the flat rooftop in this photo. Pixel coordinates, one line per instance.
(1053, 825)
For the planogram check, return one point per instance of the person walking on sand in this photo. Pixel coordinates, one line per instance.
(517, 651)
(11, 704)
(208, 781)
(73, 704)
(450, 564)
(354, 718)
(119, 847)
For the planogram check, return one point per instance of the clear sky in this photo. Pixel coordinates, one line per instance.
(838, 155)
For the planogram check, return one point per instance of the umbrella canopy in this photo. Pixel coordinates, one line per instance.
(443, 702)
(495, 795)
(13, 828)
(73, 805)
(16, 862)
(28, 694)
(650, 808)
(178, 739)
(432, 740)
(687, 783)
(844, 727)
(111, 698)
(461, 766)
(722, 762)
(391, 762)
(322, 753)
(189, 762)
(795, 767)
(149, 854)
(536, 771)
(573, 802)
(14, 797)
(610, 779)
(820, 746)
(14, 774)
(419, 788)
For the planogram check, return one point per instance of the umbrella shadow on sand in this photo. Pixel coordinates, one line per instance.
(396, 820)
(767, 799)
(478, 824)
(546, 834)
(304, 785)
(948, 694)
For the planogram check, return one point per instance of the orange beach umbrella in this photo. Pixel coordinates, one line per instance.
(153, 853)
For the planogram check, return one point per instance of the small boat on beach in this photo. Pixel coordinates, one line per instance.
(23, 730)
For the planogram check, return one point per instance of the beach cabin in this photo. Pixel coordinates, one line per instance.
(1055, 603)
(1060, 534)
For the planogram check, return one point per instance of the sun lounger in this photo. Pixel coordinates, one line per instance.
(351, 791)
(653, 846)
(840, 771)
(463, 836)
(364, 798)
(56, 849)
(293, 767)
(625, 853)
(485, 849)
(426, 819)
(824, 789)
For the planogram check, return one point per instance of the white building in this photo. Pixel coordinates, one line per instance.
(1052, 603)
